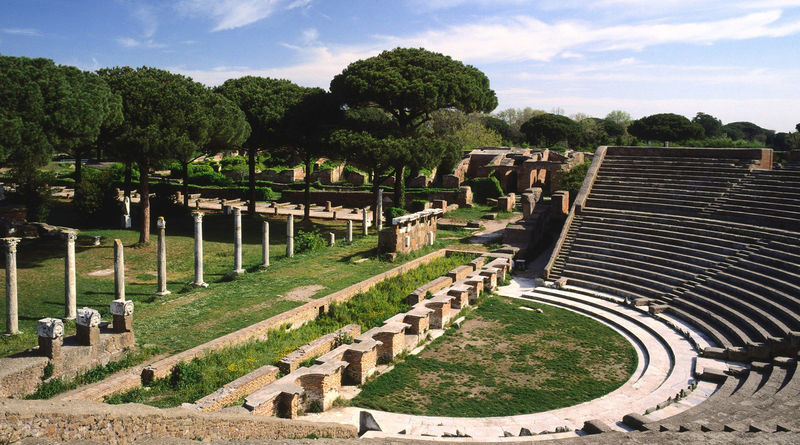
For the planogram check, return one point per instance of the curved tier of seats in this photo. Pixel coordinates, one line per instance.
(715, 243)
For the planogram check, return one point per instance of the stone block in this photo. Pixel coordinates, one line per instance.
(51, 337)
(460, 272)
(559, 205)
(490, 278)
(122, 311)
(636, 421)
(464, 196)
(440, 204)
(451, 181)
(506, 203)
(595, 426)
(461, 296)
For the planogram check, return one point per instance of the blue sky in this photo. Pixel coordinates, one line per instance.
(737, 60)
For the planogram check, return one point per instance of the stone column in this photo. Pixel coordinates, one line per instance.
(265, 244)
(88, 327)
(237, 241)
(198, 250)
(364, 230)
(349, 237)
(119, 271)
(122, 310)
(70, 302)
(290, 236)
(331, 239)
(162, 257)
(379, 211)
(51, 337)
(12, 314)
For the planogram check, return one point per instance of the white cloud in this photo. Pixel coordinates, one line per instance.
(145, 15)
(526, 38)
(30, 32)
(309, 36)
(232, 14)
(129, 42)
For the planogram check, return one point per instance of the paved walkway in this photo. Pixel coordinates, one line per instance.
(665, 367)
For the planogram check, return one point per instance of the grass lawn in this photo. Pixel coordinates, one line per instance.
(193, 380)
(475, 213)
(505, 361)
(189, 317)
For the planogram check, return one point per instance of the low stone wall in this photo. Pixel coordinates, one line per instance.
(293, 317)
(409, 232)
(236, 389)
(122, 424)
(319, 346)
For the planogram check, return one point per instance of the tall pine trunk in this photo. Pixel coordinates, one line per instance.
(78, 173)
(126, 186)
(185, 174)
(251, 164)
(144, 192)
(399, 188)
(307, 193)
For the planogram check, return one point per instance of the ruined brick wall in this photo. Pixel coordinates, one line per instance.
(319, 346)
(123, 424)
(409, 233)
(20, 374)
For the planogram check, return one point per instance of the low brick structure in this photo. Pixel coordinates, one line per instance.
(319, 346)
(96, 343)
(236, 389)
(559, 205)
(507, 203)
(432, 287)
(409, 232)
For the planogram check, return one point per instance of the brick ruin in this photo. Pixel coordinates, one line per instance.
(410, 232)
(316, 387)
(95, 343)
(517, 169)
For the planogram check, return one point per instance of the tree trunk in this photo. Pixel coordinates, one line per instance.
(99, 152)
(144, 203)
(127, 184)
(78, 153)
(307, 194)
(185, 173)
(399, 188)
(375, 186)
(251, 164)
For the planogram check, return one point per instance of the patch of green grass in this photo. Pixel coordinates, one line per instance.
(202, 376)
(506, 361)
(188, 317)
(476, 213)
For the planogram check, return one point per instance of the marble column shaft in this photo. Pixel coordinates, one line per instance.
(265, 244)
(70, 291)
(379, 211)
(162, 257)
(198, 250)
(237, 241)
(349, 231)
(119, 271)
(364, 230)
(290, 236)
(12, 314)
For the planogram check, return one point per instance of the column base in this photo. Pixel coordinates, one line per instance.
(263, 266)
(12, 334)
(203, 284)
(162, 293)
(238, 271)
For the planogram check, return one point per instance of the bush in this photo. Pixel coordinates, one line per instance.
(96, 195)
(573, 179)
(209, 177)
(418, 205)
(485, 188)
(308, 241)
(117, 172)
(393, 212)
(33, 190)
(185, 375)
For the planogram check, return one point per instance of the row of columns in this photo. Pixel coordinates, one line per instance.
(70, 292)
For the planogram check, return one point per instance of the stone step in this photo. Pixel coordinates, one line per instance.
(680, 268)
(634, 268)
(737, 336)
(700, 249)
(668, 186)
(707, 237)
(713, 333)
(761, 325)
(622, 288)
(608, 203)
(656, 284)
(672, 223)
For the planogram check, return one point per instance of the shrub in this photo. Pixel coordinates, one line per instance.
(308, 241)
(209, 177)
(96, 195)
(485, 188)
(185, 374)
(117, 172)
(418, 205)
(33, 190)
(573, 179)
(393, 212)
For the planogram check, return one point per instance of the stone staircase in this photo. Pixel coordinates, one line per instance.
(714, 243)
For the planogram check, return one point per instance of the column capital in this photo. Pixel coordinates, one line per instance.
(70, 235)
(11, 242)
(161, 222)
(198, 216)
(237, 211)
